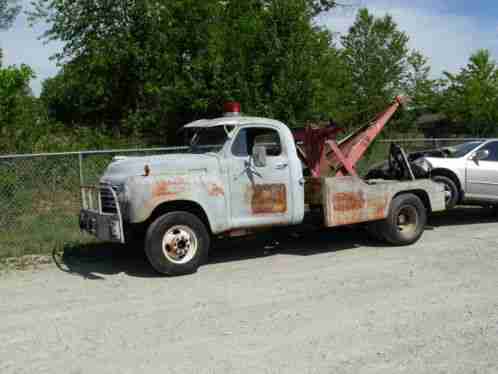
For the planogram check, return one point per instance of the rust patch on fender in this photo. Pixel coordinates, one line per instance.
(169, 188)
(351, 208)
(348, 201)
(269, 198)
(215, 191)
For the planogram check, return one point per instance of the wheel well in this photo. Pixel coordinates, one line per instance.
(182, 206)
(422, 195)
(449, 174)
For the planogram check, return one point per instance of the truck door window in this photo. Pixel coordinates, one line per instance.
(248, 138)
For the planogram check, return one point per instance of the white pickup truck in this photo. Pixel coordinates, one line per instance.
(251, 177)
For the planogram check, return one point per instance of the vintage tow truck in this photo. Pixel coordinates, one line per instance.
(243, 174)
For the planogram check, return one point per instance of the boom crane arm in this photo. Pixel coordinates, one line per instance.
(344, 155)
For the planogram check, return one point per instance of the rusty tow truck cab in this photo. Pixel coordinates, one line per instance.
(242, 174)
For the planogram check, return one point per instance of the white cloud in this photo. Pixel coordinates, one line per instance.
(448, 40)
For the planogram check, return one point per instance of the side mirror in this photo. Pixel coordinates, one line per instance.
(259, 156)
(481, 154)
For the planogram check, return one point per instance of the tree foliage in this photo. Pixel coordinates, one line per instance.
(376, 56)
(9, 9)
(470, 97)
(151, 66)
(144, 68)
(16, 105)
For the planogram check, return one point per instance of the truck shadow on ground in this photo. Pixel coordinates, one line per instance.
(95, 261)
(464, 215)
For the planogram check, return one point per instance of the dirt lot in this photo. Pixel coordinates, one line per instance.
(328, 302)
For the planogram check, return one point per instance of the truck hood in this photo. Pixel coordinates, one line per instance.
(446, 163)
(123, 168)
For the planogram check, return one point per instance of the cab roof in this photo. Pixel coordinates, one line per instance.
(233, 121)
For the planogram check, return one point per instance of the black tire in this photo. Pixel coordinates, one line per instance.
(405, 222)
(183, 229)
(451, 188)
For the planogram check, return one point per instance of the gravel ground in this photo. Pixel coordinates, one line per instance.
(321, 302)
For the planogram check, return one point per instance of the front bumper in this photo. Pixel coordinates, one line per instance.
(105, 226)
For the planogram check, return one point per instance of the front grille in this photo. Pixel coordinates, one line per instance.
(107, 200)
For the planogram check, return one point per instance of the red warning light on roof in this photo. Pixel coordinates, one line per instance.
(232, 108)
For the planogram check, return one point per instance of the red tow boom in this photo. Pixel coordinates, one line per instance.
(344, 155)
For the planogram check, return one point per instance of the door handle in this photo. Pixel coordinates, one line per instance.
(281, 166)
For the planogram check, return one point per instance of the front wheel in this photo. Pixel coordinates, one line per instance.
(177, 243)
(406, 220)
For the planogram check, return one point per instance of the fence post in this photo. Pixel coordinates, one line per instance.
(80, 159)
(82, 178)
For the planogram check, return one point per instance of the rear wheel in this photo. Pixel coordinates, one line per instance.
(450, 189)
(177, 243)
(406, 220)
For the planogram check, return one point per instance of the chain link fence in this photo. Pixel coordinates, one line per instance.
(40, 197)
(40, 194)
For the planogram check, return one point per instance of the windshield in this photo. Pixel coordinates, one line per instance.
(462, 149)
(206, 139)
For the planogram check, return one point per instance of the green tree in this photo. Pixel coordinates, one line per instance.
(9, 9)
(318, 6)
(470, 97)
(278, 65)
(376, 54)
(151, 67)
(17, 106)
(418, 85)
(421, 90)
(131, 63)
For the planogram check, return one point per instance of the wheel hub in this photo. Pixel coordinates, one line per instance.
(447, 192)
(180, 244)
(402, 219)
(407, 220)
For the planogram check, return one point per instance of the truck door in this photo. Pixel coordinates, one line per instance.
(482, 175)
(259, 195)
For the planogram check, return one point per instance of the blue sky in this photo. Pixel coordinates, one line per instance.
(447, 32)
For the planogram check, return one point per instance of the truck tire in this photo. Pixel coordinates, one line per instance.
(405, 222)
(177, 243)
(451, 189)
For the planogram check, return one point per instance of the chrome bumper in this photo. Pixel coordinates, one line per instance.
(104, 225)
